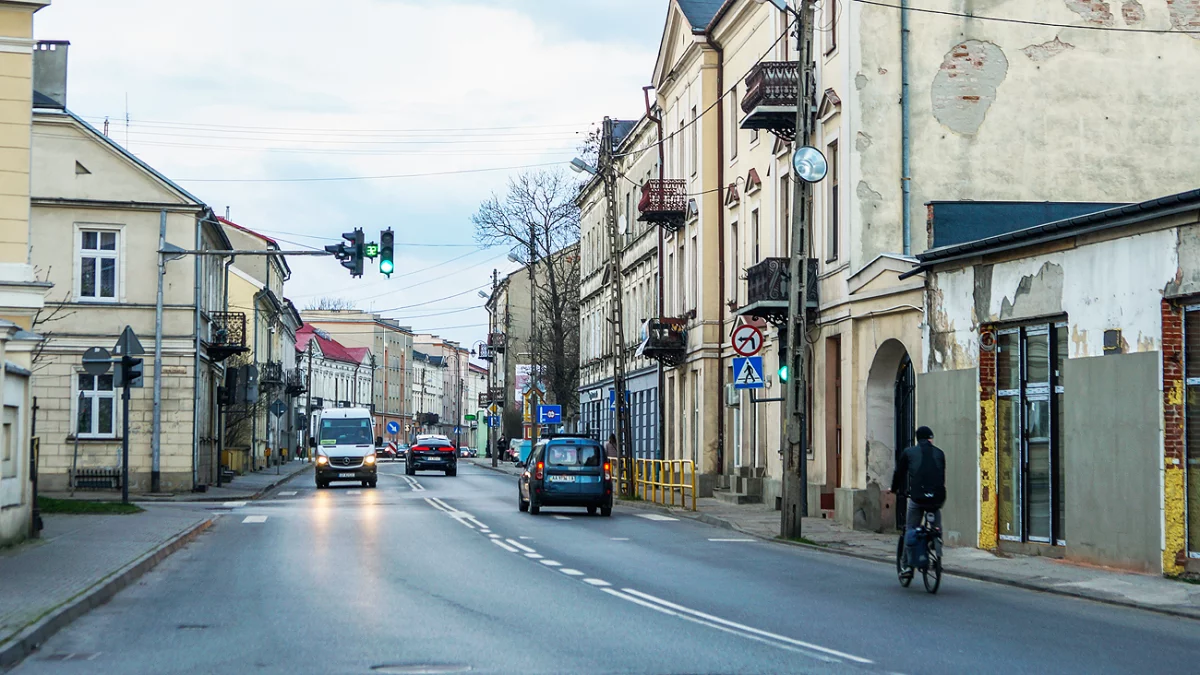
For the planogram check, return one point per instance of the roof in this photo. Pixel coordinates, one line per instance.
(271, 242)
(700, 13)
(962, 221)
(621, 131)
(478, 369)
(1061, 229)
(332, 349)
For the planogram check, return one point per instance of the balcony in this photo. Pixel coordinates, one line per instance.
(295, 381)
(664, 340)
(665, 203)
(767, 290)
(496, 342)
(228, 331)
(270, 374)
(770, 98)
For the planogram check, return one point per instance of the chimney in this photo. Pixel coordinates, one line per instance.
(50, 74)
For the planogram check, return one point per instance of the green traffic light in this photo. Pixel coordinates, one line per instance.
(783, 373)
(386, 266)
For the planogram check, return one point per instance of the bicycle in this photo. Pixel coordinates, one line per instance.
(931, 572)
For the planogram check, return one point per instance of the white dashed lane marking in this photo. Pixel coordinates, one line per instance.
(234, 505)
(504, 546)
(654, 516)
(596, 582)
(533, 556)
(620, 538)
(254, 519)
(354, 492)
(521, 546)
(290, 493)
(570, 572)
(562, 517)
(551, 563)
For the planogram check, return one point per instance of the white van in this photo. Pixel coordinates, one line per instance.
(346, 447)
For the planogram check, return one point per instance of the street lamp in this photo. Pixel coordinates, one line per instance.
(781, 4)
(580, 166)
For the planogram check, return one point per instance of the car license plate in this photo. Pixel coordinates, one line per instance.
(562, 479)
(345, 475)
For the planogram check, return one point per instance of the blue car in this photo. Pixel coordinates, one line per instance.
(566, 471)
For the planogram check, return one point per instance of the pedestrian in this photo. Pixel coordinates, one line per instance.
(610, 448)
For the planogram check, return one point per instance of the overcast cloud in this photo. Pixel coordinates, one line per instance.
(217, 90)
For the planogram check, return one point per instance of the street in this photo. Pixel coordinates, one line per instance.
(433, 574)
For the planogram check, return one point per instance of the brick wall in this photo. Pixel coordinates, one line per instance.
(987, 443)
(1174, 554)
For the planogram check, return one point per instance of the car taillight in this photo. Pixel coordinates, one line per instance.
(607, 471)
(540, 471)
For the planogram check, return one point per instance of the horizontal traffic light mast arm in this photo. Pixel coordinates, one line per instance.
(252, 252)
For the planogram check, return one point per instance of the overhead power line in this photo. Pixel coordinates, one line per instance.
(350, 178)
(274, 129)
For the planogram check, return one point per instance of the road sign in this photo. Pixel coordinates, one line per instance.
(128, 344)
(494, 409)
(96, 361)
(457, 430)
(549, 414)
(612, 397)
(278, 408)
(749, 373)
(469, 418)
(747, 340)
(393, 427)
(494, 421)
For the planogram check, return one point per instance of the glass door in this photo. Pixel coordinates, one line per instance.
(1037, 433)
(1008, 433)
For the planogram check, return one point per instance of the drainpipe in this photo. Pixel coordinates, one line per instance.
(905, 131)
(196, 266)
(720, 249)
(156, 432)
(662, 373)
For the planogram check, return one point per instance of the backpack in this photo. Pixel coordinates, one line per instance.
(926, 477)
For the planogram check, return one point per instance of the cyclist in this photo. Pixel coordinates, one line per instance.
(922, 468)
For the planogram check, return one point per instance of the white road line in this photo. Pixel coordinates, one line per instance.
(524, 538)
(254, 519)
(476, 522)
(562, 517)
(570, 572)
(748, 629)
(504, 546)
(234, 505)
(354, 492)
(437, 505)
(289, 493)
(654, 516)
(521, 546)
(551, 563)
(731, 540)
(596, 582)
(485, 530)
(493, 535)
(469, 526)
(533, 556)
(620, 539)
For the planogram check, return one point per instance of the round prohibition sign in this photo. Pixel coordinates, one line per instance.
(747, 340)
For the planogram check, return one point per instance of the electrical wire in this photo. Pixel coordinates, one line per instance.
(350, 178)
(376, 284)
(331, 130)
(398, 244)
(430, 302)
(1026, 22)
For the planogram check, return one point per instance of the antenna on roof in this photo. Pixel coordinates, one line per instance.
(226, 213)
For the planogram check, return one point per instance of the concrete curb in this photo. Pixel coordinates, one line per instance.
(283, 478)
(498, 469)
(952, 570)
(29, 639)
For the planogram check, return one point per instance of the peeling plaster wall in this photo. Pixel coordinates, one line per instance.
(1115, 284)
(1054, 106)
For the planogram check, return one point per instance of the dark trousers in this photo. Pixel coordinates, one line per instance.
(901, 511)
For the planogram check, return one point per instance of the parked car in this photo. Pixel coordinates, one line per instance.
(518, 450)
(345, 449)
(566, 471)
(467, 452)
(431, 454)
(385, 451)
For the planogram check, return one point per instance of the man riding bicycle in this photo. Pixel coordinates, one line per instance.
(924, 467)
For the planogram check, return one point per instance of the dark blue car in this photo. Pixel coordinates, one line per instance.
(566, 471)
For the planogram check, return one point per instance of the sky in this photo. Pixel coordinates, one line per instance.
(243, 102)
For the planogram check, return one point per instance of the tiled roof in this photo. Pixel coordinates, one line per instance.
(332, 349)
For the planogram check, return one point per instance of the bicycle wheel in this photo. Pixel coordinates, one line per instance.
(932, 574)
(905, 578)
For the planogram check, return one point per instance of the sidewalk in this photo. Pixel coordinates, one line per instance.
(80, 562)
(243, 488)
(1029, 572)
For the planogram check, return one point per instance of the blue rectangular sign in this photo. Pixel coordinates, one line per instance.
(612, 398)
(748, 373)
(493, 421)
(549, 414)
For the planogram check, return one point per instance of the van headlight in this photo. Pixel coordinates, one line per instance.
(322, 460)
(369, 459)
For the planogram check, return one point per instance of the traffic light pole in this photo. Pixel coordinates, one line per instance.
(126, 367)
(795, 474)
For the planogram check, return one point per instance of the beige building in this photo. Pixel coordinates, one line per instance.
(21, 289)
(454, 384)
(107, 210)
(391, 346)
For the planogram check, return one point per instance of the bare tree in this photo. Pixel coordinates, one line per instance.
(43, 323)
(239, 419)
(330, 304)
(538, 219)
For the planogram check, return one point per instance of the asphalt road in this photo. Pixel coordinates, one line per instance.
(441, 575)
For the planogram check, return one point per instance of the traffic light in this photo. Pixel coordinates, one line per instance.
(785, 370)
(387, 245)
(350, 254)
(128, 372)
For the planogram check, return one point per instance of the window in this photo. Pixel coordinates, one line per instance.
(832, 26)
(834, 220)
(733, 124)
(693, 283)
(679, 147)
(8, 443)
(98, 264)
(695, 145)
(754, 233)
(96, 414)
(735, 261)
(785, 217)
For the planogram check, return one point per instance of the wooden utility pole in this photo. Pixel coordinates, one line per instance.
(616, 309)
(795, 470)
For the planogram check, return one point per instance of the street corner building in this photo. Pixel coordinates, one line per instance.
(99, 216)
(1063, 378)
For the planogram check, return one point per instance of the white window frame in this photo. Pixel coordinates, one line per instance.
(92, 399)
(118, 255)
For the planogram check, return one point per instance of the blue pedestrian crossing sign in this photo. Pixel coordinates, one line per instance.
(457, 430)
(393, 427)
(748, 373)
(612, 398)
(549, 414)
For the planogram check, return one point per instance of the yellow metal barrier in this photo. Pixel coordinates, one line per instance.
(663, 481)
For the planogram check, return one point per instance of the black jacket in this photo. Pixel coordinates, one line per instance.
(921, 470)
